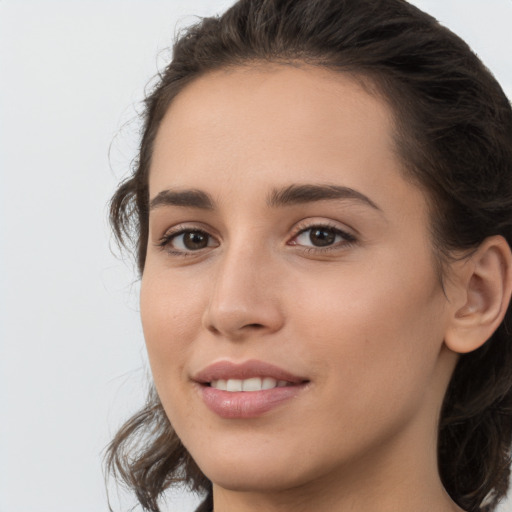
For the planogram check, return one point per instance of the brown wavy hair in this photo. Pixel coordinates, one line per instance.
(453, 133)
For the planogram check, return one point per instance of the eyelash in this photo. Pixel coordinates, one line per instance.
(165, 242)
(348, 239)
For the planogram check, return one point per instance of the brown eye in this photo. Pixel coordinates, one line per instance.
(320, 237)
(195, 240)
(323, 237)
(188, 240)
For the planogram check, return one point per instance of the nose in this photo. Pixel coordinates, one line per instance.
(245, 297)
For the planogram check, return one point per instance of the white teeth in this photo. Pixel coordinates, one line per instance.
(268, 383)
(234, 385)
(221, 384)
(252, 384)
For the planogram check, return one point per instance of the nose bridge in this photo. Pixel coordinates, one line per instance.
(244, 297)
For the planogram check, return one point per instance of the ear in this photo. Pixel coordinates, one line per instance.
(484, 286)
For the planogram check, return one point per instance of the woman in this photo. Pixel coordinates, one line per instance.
(322, 214)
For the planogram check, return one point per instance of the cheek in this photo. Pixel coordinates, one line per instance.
(171, 318)
(378, 335)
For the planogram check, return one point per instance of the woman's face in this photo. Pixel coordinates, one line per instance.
(287, 252)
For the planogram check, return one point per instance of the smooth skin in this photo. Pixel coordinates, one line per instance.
(344, 291)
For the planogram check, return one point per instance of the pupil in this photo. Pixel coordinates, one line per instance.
(195, 240)
(321, 236)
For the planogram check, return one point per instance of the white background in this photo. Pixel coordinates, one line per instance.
(72, 361)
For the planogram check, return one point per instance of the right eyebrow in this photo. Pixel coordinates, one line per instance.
(190, 198)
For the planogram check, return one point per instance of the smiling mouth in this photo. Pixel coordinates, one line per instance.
(247, 389)
(248, 397)
(251, 384)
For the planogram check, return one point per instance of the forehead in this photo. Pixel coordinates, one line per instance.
(273, 125)
(277, 87)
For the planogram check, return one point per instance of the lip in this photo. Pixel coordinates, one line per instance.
(246, 370)
(248, 404)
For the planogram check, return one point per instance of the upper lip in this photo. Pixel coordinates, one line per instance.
(229, 370)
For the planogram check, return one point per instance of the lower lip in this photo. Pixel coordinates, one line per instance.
(247, 404)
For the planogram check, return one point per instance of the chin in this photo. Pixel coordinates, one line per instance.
(258, 470)
(253, 478)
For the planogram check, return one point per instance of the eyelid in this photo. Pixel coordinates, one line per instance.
(189, 226)
(347, 235)
(349, 238)
(164, 242)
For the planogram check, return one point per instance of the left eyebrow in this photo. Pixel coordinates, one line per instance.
(300, 194)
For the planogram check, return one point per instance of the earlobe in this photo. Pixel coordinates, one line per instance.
(486, 286)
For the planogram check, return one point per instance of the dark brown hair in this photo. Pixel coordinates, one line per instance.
(454, 137)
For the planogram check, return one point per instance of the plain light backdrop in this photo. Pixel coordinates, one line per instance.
(72, 359)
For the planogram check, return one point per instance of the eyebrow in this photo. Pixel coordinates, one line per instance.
(187, 198)
(299, 194)
(288, 196)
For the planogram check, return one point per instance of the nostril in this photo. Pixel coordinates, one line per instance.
(235, 319)
(213, 329)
